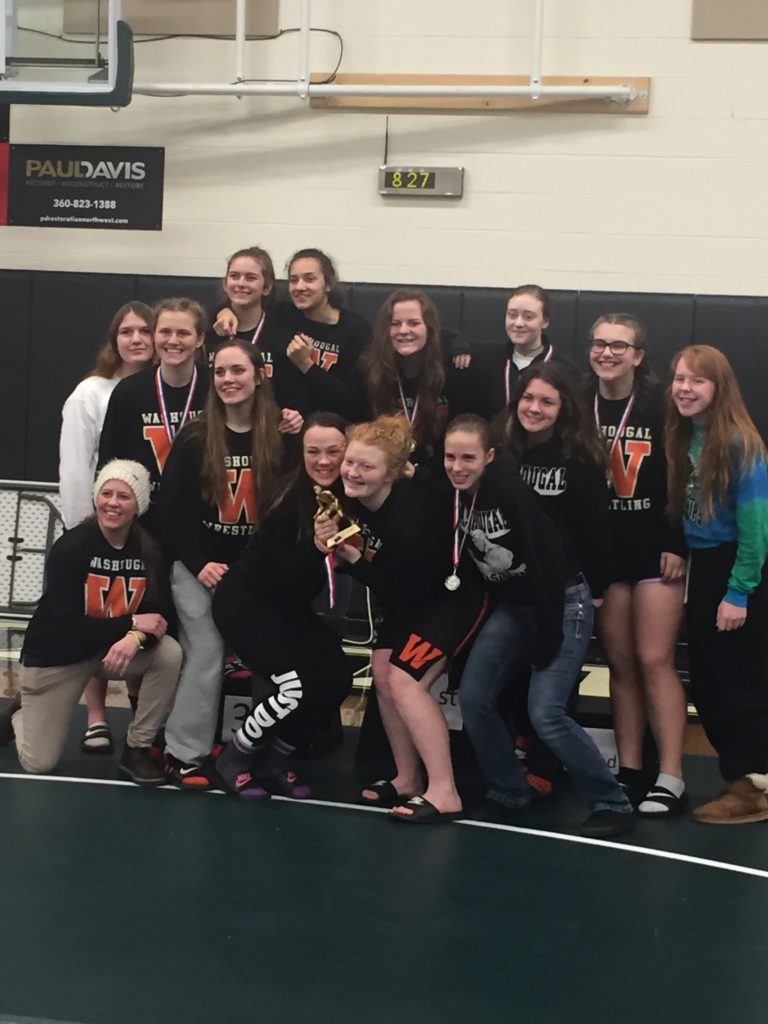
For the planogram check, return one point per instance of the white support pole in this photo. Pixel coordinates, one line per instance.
(240, 11)
(7, 17)
(114, 15)
(304, 37)
(538, 46)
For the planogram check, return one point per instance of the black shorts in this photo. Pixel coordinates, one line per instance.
(635, 567)
(440, 630)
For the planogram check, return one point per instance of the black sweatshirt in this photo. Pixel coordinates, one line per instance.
(199, 531)
(574, 492)
(287, 382)
(133, 427)
(496, 365)
(406, 552)
(638, 496)
(519, 553)
(278, 564)
(92, 589)
(462, 393)
(331, 383)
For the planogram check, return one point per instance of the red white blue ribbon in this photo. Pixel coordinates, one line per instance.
(412, 417)
(622, 425)
(170, 430)
(331, 574)
(259, 329)
(459, 547)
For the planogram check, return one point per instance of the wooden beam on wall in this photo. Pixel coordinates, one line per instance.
(477, 104)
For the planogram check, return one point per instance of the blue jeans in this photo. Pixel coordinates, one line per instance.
(498, 645)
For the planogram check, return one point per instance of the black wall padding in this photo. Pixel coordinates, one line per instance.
(53, 324)
(205, 290)
(70, 314)
(738, 326)
(15, 302)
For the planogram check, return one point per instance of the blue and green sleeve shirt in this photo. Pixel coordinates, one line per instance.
(742, 518)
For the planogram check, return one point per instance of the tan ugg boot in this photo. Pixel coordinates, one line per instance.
(742, 801)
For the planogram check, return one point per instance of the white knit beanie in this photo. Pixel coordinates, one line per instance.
(131, 473)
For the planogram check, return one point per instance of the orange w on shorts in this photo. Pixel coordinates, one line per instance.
(419, 652)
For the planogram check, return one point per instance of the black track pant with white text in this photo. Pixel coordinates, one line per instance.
(301, 661)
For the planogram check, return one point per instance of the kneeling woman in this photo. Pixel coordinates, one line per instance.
(541, 614)
(405, 559)
(220, 477)
(263, 609)
(718, 486)
(104, 613)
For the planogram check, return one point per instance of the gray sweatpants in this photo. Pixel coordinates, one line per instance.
(49, 697)
(191, 726)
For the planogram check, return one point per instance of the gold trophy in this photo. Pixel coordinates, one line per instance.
(328, 505)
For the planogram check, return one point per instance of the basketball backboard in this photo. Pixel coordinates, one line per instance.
(40, 63)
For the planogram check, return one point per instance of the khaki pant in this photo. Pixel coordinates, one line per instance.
(49, 697)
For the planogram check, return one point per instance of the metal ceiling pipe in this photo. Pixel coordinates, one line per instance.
(619, 93)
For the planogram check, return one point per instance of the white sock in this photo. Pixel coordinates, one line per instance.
(671, 782)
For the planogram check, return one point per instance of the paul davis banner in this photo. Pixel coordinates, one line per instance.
(114, 187)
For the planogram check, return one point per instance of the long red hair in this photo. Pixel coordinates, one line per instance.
(731, 440)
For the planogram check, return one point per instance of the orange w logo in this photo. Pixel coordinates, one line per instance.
(325, 360)
(107, 597)
(241, 500)
(161, 446)
(625, 473)
(418, 652)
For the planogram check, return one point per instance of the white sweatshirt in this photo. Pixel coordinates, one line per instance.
(82, 419)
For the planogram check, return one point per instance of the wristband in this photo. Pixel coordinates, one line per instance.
(138, 637)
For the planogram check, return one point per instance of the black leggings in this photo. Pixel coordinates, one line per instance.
(300, 672)
(729, 671)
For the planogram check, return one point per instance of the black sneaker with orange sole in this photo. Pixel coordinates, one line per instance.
(188, 776)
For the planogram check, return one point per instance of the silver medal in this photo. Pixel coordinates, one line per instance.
(452, 582)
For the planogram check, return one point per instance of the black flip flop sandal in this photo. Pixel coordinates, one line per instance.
(425, 813)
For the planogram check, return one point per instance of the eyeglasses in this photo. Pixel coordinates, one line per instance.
(616, 348)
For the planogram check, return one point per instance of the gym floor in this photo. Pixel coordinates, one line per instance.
(123, 905)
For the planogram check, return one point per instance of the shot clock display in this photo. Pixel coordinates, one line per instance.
(421, 181)
(409, 178)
